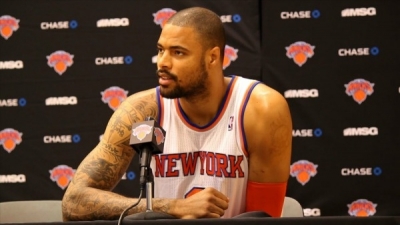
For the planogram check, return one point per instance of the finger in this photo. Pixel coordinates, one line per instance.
(216, 211)
(220, 203)
(214, 215)
(218, 194)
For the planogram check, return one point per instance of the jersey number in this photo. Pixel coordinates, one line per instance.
(193, 191)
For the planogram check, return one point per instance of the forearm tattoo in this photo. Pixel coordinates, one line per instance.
(90, 196)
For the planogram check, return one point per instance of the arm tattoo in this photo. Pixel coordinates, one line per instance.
(133, 112)
(90, 196)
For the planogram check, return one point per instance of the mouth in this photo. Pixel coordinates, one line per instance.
(164, 78)
(165, 75)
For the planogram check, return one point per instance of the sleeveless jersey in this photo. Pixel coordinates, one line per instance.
(213, 155)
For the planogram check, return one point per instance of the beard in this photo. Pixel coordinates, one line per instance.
(196, 86)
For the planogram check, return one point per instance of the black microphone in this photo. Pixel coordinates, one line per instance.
(147, 138)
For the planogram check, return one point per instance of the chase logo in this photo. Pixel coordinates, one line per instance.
(116, 60)
(59, 25)
(307, 132)
(13, 102)
(315, 14)
(363, 171)
(130, 175)
(61, 139)
(235, 18)
(374, 51)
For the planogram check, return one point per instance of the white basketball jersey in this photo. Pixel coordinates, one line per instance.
(210, 156)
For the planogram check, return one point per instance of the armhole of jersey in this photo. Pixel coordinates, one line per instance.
(242, 110)
(160, 107)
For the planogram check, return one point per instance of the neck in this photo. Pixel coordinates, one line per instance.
(202, 109)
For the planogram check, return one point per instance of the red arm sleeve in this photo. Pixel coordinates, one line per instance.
(267, 197)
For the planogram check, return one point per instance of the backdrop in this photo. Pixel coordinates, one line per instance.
(65, 66)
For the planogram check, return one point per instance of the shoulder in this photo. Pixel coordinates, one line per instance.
(268, 131)
(141, 102)
(146, 95)
(267, 117)
(138, 106)
(266, 101)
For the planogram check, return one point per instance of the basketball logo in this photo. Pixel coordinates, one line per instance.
(359, 89)
(303, 170)
(300, 51)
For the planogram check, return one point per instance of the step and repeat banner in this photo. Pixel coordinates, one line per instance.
(65, 66)
(336, 64)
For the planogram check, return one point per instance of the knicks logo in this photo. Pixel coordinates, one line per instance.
(162, 15)
(62, 175)
(303, 170)
(300, 51)
(359, 89)
(9, 138)
(159, 135)
(60, 60)
(8, 25)
(230, 55)
(114, 96)
(141, 131)
(362, 208)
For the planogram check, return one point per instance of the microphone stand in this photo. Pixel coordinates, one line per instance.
(146, 177)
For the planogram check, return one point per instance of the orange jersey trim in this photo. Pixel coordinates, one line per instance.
(216, 119)
(160, 107)
(242, 109)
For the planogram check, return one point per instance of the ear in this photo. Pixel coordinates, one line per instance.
(214, 56)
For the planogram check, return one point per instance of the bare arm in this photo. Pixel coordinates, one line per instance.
(268, 127)
(89, 195)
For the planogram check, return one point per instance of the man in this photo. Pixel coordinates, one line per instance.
(228, 143)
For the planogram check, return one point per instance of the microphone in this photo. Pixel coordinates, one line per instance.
(147, 138)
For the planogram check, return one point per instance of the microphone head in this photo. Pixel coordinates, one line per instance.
(148, 132)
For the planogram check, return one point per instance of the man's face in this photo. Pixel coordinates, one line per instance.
(181, 68)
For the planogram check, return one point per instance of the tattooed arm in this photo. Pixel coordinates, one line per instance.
(89, 195)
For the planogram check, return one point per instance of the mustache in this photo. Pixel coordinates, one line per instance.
(171, 75)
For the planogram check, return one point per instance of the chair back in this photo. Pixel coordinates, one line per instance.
(30, 211)
(292, 208)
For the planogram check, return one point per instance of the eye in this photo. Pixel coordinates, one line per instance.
(160, 50)
(179, 52)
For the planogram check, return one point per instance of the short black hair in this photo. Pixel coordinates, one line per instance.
(207, 24)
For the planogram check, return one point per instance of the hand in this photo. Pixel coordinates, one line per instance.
(208, 203)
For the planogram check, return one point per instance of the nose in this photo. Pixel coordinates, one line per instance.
(164, 60)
